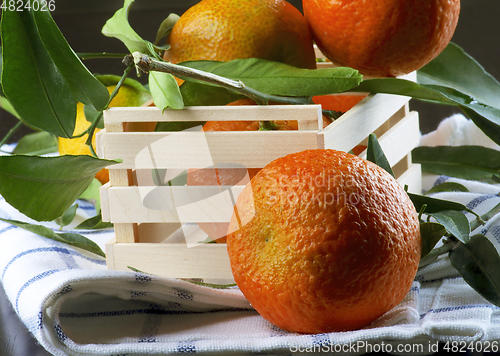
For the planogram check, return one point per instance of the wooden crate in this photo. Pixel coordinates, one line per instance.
(145, 232)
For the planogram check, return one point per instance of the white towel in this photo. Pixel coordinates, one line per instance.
(73, 305)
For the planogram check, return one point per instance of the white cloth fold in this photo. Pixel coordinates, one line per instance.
(73, 305)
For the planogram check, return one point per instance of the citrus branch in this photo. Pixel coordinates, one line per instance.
(92, 127)
(447, 246)
(85, 56)
(148, 64)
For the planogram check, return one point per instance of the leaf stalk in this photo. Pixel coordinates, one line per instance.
(11, 132)
(92, 128)
(85, 56)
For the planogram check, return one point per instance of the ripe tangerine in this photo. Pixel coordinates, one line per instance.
(323, 241)
(385, 38)
(223, 30)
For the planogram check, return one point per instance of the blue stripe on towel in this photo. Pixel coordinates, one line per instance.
(147, 311)
(186, 347)
(459, 307)
(9, 227)
(474, 203)
(51, 249)
(33, 280)
(495, 231)
(440, 180)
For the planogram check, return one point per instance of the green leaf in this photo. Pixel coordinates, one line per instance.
(196, 94)
(91, 115)
(455, 222)
(7, 106)
(447, 187)
(404, 87)
(94, 223)
(31, 81)
(67, 238)
(487, 118)
(67, 217)
(43, 188)
(375, 154)
(434, 205)
(276, 78)
(92, 194)
(467, 162)
(214, 285)
(119, 27)
(465, 74)
(111, 80)
(166, 27)
(165, 91)
(448, 245)
(154, 50)
(84, 86)
(478, 263)
(431, 233)
(133, 269)
(37, 143)
(1, 66)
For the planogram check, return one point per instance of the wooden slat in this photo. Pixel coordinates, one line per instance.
(410, 76)
(402, 166)
(213, 113)
(400, 139)
(363, 119)
(413, 178)
(208, 261)
(134, 204)
(103, 192)
(325, 65)
(124, 232)
(203, 149)
(393, 120)
(317, 52)
(110, 256)
(171, 204)
(98, 143)
(310, 125)
(119, 177)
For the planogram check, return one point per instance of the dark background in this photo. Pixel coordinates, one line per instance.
(81, 22)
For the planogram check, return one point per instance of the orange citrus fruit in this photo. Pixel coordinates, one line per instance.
(127, 96)
(338, 102)
(223, 30)
(323, 241)
(385, 38)
(252, 125)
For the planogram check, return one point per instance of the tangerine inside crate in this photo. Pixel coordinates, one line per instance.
(148, 215)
